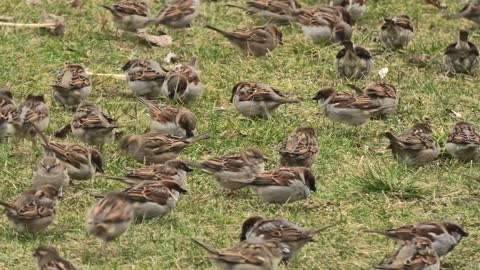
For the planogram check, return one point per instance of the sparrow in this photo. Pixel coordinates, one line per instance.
(179, 13)
(33, 112)
(383, 95)
(470, 11)
(284, 185)
(81, 162)
(256, 100)
(92, 126)
(463, 142)
(461, 56)
(346, 108)
(414, 146)
(234, 171)
(183, 83)
(259, 229)
(48, 258)
(172, 120)
(34, 210)
(325, 24)
(130, 15)
(397, 32)
(8, 109)
(445, 236)
(145, 77)
(247, 256)
(300, 149)
(151, 148)
(153, 199)
(110, 217)
(51, 171)
(271, 11)
(256, 41)
(73, 85)
(353, 62)
(172, 171)
(415, 254)
(356, 8)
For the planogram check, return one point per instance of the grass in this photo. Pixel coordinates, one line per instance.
(360, 185)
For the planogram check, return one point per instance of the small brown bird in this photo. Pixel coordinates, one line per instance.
(255, 41)
(271, 11)
(259, 229)
(284, 185)
(415, 254)
(325, 24)
(92, 126)
(130, 15)
(234, 171)
(173, 171)
(81, 162)
(256, 100)
(463, 142)
(179, 13)
(247, 256)
(300, 149)
(34, 210)
(48, 259)
(445, 236)
(145, 77)
(72, 86)
(8, 109)
(414, 146)
(33, 112)
(110, 217)
(355, 7)
(51, 171)
(172, 120)
(353, 62)
(153, 199)
(382, 94)
(151, 148)
(461, 56)
(346, 108)
(183, 83)
(397, 32)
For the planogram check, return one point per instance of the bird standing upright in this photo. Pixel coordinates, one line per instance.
(461, 56)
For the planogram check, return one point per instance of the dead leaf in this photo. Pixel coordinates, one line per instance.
(75, 3)
(33, 2)
(6, 18)
(455, 114)
(161, 41)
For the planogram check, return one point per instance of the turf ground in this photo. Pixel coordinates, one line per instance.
(360, 185)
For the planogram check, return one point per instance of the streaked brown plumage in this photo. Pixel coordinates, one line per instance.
(300, 149)
(258, 100)
(48, 258)
(255, 41)
(463, 142)
(414, 146)
(72, 86)
(251, 256)
(110, 217)
(34, 210)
